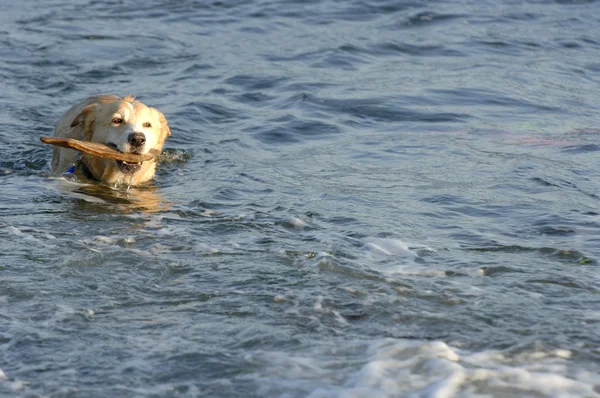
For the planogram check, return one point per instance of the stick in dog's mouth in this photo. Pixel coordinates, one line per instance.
(128, 168)
(104, 151)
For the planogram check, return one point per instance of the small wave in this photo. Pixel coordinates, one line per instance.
(255, 82)
(427, 18)
(26, 161)
(582, 148)
(395, 48)
(565, 255)
(206, 112)
(290, 129)
(390, 109)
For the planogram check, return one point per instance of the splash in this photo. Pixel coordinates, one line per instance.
(130, 183)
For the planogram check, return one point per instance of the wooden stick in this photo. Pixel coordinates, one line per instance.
(100, 150)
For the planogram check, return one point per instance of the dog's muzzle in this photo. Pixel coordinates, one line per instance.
(126, 167)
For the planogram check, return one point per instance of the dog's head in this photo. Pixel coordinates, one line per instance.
(127, 126)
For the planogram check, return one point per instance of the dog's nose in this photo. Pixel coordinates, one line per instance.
(137, 139)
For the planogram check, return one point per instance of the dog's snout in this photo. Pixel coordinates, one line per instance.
(137, 139)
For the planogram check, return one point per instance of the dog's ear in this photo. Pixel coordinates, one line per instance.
(165, 131)
(85, 119)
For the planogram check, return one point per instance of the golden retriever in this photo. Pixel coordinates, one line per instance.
(124, 124)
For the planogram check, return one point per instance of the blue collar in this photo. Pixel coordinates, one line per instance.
(71, 170)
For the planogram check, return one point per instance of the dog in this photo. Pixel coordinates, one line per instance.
(123, 124)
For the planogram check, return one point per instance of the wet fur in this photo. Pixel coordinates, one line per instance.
(90, 120)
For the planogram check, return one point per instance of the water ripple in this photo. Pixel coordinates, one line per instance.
(366, 197)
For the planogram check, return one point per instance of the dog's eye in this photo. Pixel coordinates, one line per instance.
(147, 125)
(117, 120)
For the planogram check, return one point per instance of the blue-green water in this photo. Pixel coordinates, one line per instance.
(359, 199)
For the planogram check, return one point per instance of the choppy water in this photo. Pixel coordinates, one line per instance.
(360, 199)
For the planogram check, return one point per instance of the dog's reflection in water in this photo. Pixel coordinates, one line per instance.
(104, 199)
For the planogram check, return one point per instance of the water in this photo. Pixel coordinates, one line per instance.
(360, 199)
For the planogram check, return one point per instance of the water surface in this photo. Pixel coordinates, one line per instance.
(360, 198)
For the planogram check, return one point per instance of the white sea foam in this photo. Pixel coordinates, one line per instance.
(210, 213)
(394, 247)
(107, 240)
(18, 385)
(413, 368)
(203, 248)
(295, 222)
(389, 247)
(17, 232)
(403, 255)
(28, 238)
(279, 299)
